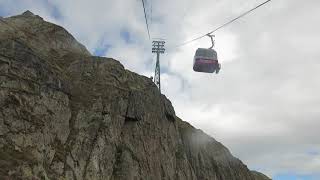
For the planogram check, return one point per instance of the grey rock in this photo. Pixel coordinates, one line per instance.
(65, 114)
(135, 108)
(169, 111)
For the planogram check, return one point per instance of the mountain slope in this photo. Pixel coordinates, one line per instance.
(68, 115)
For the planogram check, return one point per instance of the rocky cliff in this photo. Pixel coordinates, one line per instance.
(68, 115)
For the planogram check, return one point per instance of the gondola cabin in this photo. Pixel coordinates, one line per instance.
(206, 60)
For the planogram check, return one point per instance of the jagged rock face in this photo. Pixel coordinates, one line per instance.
(68, 115)
(48, 38)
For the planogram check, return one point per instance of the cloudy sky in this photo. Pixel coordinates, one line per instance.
(264, 105)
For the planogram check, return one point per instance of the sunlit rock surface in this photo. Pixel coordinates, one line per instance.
(68, 115)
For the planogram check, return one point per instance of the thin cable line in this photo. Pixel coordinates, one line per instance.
(145, 17)
(225, 24)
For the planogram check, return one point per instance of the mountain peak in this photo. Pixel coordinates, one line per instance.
(42, 36)
(27, 13)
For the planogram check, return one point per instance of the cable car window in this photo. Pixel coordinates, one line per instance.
(209, 54)
(201, 52)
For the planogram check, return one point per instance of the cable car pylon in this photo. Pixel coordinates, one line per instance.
(158, 48)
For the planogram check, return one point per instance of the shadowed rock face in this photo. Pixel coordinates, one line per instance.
(68, 115)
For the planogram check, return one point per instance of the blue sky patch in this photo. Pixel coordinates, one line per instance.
(313, 153)
(125, 34)
(56, 13)
(54, 10)
(295, 177)
(102, 51)
(3, 12)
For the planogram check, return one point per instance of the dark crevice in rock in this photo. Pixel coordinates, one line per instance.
(170, 118)
(117, 163)
(130, 119)
(163, 174)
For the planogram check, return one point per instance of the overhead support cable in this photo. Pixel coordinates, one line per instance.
(151, 16)
(145, 17)
(225, 24)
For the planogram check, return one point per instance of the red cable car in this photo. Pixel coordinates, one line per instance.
(206, 60)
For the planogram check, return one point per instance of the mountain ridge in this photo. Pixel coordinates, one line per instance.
(66, 114)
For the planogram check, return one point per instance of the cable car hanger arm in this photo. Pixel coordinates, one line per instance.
(212, 41)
